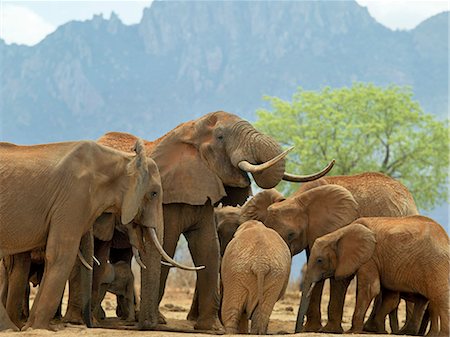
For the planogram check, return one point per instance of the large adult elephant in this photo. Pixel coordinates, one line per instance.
(51, 195)
(321, 207)
(203, 162)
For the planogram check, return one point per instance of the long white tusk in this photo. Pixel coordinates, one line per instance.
(138, 257)
(83, 261)
(167, 264)
(310, 290)
(302, 179)
(96, 260)
(257, 168)
(166, 256)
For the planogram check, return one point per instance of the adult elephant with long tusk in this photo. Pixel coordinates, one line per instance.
(201, 163)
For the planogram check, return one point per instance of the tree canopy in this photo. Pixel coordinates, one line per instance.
(365, 128)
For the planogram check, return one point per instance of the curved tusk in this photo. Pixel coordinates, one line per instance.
(252, 168)
(166, 256)
(302, 179)
(167, 264)
(308, 295)
(96, 260)
(138, 257)
(83, 261)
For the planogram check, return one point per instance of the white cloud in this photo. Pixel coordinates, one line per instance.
(20, 25)
(28, 22)
(403, 14)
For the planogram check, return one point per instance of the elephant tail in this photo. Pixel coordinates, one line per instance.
(258, 300)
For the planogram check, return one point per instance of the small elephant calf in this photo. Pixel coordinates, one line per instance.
(119, 280)
(255, 272)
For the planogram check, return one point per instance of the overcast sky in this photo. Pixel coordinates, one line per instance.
(28, 22)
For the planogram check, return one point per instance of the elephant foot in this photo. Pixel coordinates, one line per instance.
(147, 325)
(6, 327)
(406, 330)
(355, 331)
(192, 316)
(371, 326)
(161, 319)
(39, 326)
(312, 326)
(209, 324)
(332, 327)
(73, 318)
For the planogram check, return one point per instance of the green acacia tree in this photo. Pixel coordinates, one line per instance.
(365, 128)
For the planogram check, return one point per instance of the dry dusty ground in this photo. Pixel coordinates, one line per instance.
(175, 307)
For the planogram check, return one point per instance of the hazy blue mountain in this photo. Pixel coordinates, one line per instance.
(185, 59)
(188, 58)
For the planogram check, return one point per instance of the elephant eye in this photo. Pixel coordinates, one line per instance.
(319, 260)
(220, 137)
(291, 236)
(154, 194)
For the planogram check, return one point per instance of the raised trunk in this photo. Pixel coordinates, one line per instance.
(257, 148)
(265, 148)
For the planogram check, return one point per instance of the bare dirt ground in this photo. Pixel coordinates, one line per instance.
(175, 306)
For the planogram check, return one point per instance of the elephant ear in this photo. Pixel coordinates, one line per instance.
(138, 178)
(184, 176)
(328, 208)
(355, 247)
(256, 207)
(104, 226)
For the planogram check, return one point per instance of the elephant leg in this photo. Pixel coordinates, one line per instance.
(172, 232)
(193, 311)
(129, 300)
(233, 315)
(3, 282)
(261, 315)
(18, 281)
(5, 321)
(204, 247)
(338, 289)
(73, 312)
(424, 323)
(393, 321)
(60, 256)
(313, 315)
(367, 288)
(101, 251)
(414, 320)
(386, 302)
(434, 319)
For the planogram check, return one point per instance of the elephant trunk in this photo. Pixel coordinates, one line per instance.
(267, 148)
(304, 303)
(150, 279)
(256, 148)
(87, 250)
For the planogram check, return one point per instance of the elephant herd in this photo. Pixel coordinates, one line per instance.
(79, 211)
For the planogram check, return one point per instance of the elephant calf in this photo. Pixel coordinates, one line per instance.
(119, 280)
(402, 255)
(255, 272)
